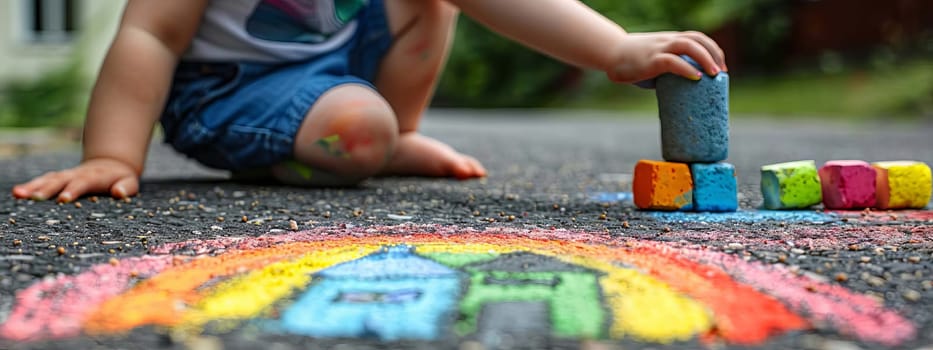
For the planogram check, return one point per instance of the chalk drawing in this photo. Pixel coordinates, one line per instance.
(612, 197)
(390, 295)
(749, 216)
(437, 282)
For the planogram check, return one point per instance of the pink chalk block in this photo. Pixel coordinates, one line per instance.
(848, 184)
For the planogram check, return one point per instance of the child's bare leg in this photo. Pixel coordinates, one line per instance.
(348, 135)
(423, 32)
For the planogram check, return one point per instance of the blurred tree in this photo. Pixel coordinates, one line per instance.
(486, 70)
(54, 99)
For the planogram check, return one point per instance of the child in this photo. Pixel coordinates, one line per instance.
(319, 92)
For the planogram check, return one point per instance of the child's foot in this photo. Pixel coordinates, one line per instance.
(420, 155)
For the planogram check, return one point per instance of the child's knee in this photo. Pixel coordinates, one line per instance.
(364, 136)
(351, 130)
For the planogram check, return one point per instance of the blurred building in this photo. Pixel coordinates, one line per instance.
(39, 35)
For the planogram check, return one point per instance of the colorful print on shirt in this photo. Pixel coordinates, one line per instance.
(301, 21)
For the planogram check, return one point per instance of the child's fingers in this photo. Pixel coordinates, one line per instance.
(672, 63)
(22, 191)
(718, 54)
(125, 187)
(47, 185)
(82, 185)
(26, 190)
(690, 47)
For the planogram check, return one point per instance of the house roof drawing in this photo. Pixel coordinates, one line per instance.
(390, 262)
(527, 262)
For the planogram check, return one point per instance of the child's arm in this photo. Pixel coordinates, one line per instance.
(126, 102)
(574, 33)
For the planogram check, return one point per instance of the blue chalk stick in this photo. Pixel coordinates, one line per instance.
(714, 187)
(694, 117)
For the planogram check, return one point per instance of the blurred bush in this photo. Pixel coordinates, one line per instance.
(55, 98)
(486, 70)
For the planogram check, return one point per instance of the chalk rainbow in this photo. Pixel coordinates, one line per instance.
(431, 282)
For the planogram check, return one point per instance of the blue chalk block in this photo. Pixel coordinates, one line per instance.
(714, 187)
(694, 117)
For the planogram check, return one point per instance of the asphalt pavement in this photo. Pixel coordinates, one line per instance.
(554, 176)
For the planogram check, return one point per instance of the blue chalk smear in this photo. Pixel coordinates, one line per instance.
(612, 197)
(751, 217)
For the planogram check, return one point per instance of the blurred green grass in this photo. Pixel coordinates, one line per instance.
(902, 91)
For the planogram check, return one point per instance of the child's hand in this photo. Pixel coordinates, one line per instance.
(644, 56)
(92, 176)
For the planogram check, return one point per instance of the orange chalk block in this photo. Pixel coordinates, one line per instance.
(902, 184)
(663, 186)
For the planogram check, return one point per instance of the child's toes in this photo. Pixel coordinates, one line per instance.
(478, 169)
(467, 168)
(460, 170)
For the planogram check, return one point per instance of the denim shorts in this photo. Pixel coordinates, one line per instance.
(240, 116)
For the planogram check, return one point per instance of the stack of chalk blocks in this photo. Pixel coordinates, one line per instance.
(694, 141)
(847, 184)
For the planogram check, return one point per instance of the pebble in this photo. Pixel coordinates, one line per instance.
(597, 345)
(912, 295)
(293, 225)
(854, 247)
(735, 246)
(204, 343)
(61, 250)
(875, 281)
(797, 251)
(396, 217)
(914, 259)
(842, 277)
(866, 259)
(838, 345)
(98, 215)
(471, 345)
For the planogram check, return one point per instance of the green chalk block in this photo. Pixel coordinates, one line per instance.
(792, 185)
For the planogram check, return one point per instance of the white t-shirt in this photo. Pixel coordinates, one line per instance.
(273, 31)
